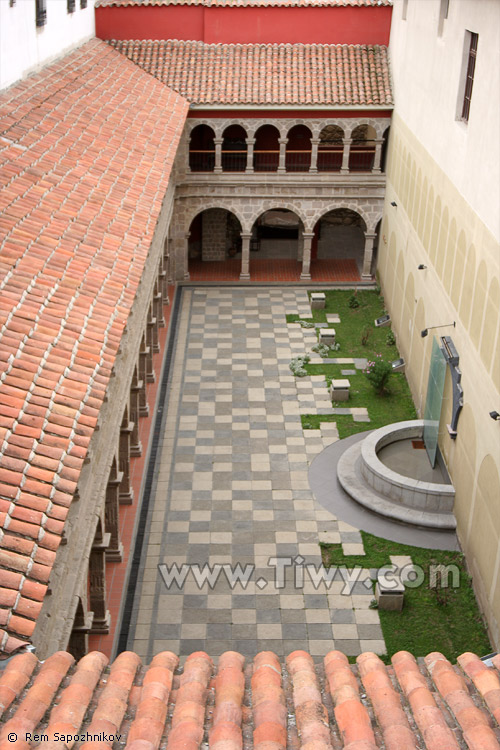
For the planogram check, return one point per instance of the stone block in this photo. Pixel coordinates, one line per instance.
(327, 336)
(317, 301)
(390, 598)
(339, 390)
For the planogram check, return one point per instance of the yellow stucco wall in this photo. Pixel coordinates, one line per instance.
(433, 225)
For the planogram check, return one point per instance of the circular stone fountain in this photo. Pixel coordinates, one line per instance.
(365, 473)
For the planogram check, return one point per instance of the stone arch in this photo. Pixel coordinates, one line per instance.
(468, 287)
(370, 223)
(213, 124)
(234, 148)
(214, 235)
(451, 251)
(411, 192)
(362, 151)
(484, 531)
(266, 148)
(417, 197)
(298, 149)
(436, 222)
(441, 245)
(277, 233)
(478, 304)
(340, 234)
(202, 148)
(429, 213)
(490, 323)
(422, 208)
(193, 212)
(330, 148)
(458, 271)
(271, 205)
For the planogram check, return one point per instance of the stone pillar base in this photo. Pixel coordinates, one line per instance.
(102, 626)
(115, 555)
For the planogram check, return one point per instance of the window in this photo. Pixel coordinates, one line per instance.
(41, 12)
(443, 15)
(467, 77)
(71, 6)
(405, 10)
(83, 4)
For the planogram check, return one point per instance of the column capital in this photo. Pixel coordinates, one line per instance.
(245, 235)
(370, 236)
(250, 141)
(218, 141)
(308, 235)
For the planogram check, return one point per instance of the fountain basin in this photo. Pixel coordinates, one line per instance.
(373, 484)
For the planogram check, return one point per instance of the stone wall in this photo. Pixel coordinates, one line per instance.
(214, 234)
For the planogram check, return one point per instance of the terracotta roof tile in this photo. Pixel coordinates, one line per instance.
(70, 158)
(241, 3)
(264, 705)
(273, 74)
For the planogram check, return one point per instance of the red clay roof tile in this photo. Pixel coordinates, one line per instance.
(70, 205)
(272, 74)
(217, 704)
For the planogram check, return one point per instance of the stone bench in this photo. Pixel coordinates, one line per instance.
(339, 390)
(327, 336)
(317, 300)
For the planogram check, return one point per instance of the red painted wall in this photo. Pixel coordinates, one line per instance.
(273, 114)
(265, 25)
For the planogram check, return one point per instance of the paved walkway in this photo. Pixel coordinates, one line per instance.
(232, 489)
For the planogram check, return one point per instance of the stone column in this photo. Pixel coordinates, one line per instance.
(78, 644)
(378, 155)
(135, 388)
(97, 585)
(153, 341)
(282, 159)
(306, 257)
(150, 373)
(143, 399)
(126, 493)
(245, 256)
(250, 145)
(158, 301)
(344, 169)
(314, 155)
(186, 256)
(367, 259)
(218, 155)
(114, 551)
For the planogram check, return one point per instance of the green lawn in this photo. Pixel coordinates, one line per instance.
(433, 619)
(446, 620)
(395, 406)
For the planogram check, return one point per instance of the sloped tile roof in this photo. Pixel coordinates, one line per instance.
(86, 149)
(264, 704)
(272, 74)
(244, 3)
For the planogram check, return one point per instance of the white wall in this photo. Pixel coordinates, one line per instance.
(426, 70)
(24, 47)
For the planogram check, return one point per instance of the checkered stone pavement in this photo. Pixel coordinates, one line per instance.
(232, 499)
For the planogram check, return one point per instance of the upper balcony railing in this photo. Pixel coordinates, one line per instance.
(341, 158)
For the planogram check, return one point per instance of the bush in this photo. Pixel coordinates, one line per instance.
(353, 302)
(365, 335)
(297, 365)
(390, 339)
(378, 373)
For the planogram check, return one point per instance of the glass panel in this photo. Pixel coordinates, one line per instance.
(433, 403)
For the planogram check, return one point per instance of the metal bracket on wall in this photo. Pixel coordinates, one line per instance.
(451, 357)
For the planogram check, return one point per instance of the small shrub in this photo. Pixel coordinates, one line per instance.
(365, 335)
(378, 372)
(297, 365)
(390, 339)
(353, 302)
(305, 324)
(322, 349)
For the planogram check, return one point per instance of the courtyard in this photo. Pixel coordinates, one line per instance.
(231, 488)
